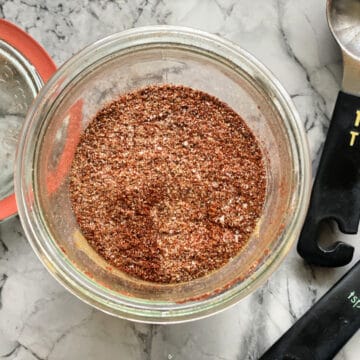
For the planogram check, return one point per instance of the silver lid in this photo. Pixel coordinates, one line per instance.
(19, 84)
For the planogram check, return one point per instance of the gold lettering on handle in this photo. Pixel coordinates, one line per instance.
(357, 120)
(353, 134)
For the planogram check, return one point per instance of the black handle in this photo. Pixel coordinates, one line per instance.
(336, 190)
(326, 327)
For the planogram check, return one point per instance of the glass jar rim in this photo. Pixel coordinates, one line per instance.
(145, 311)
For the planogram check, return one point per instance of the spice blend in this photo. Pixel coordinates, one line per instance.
(168, 183)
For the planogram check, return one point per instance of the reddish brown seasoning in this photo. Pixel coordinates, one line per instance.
(167, 183)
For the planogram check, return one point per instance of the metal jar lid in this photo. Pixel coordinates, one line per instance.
(24, 68)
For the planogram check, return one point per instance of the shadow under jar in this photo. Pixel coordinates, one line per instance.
(99, 74)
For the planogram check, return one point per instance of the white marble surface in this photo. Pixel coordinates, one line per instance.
(41, 320)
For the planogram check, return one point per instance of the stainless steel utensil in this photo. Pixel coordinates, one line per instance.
(328, 325)
(336, 190)
(344, 22)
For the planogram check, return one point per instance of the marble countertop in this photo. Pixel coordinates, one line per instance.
(41, 320)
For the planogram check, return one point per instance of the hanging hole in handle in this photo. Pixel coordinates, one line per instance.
(328, 234)
(335, 254)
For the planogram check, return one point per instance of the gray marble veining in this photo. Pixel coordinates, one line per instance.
(41, 320)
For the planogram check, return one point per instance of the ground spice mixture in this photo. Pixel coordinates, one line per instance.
(167, 183)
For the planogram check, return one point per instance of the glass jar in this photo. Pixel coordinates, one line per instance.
(124, 62)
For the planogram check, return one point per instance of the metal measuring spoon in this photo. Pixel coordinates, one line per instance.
(336, 190)
(344, 22)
